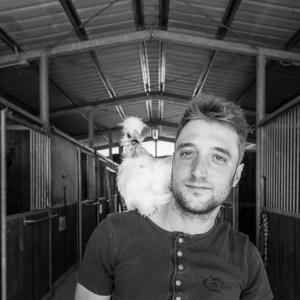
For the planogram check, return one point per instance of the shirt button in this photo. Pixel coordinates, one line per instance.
(180, 267)
(180, 240)
(178, 298)
(178, 282)
(179, 253)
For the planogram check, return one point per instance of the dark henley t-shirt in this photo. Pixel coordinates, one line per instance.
(131, 258)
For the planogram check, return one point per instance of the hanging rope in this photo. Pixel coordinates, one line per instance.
(263, 237)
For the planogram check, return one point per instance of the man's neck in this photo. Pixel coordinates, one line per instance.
(172, 219)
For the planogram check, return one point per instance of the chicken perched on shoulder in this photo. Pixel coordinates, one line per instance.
(142, 180)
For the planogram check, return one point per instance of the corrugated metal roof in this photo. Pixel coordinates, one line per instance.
(151, 79)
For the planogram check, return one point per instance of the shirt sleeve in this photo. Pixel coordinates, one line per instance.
(96, 270)
(257, 285)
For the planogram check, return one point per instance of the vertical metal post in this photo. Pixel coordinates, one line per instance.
(91, 128)
(79, 207)
(110, 143)
(3, 205)
(44, 90)
(155, 143)
(48, 204)
(260, 113)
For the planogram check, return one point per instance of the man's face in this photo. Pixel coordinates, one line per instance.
(205, 166)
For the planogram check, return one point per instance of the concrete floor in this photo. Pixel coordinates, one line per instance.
(65, 289)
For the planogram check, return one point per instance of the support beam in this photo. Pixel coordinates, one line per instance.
(10, 43)
(78, 27)
(260, 113)
(164, 7)
(3, 210)
(187, 40)
(114, 129)
(149, 110)
(44, 90)
(36, 69)
(110, 143)
(145, 66)
(91, 128)
(121, 112)
(227, 19)
(293, 41)
(147, 139)
(170, 98)
(162, 67)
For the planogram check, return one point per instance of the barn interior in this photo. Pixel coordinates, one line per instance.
(72, 70)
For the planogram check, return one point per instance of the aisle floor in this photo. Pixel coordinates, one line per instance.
(66, 288)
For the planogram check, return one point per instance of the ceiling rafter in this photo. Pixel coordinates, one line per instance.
(160, 138)
(292, 42)
(15, 101)
(164, 6)
(78, 27)
(171, 98)
(114, 129)
(138, 11)
(226, 22)
(160, 35)
(121, 112)
(35, 68)
(11, 44)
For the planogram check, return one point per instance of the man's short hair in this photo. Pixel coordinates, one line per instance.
(214, 109)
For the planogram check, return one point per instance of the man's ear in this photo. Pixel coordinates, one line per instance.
(237, 174)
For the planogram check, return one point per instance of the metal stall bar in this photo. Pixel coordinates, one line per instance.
(298, 158)
(284, 162)
(266, 164)
(79, 206)
(260, 113)
(289, 162)
(280, 173)
(31, 166)
(3, 205)
(295, 155)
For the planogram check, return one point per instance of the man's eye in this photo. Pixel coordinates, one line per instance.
(187, 154)
(220, 158)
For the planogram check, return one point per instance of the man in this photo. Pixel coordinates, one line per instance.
(183, 251)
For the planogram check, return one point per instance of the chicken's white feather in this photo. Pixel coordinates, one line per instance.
(142, 180)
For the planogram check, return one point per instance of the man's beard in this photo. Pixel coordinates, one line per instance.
(215, 200)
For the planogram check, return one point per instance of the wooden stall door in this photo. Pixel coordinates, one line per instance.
(28, 258)
(101, 190)
(28, 220)
(89, 203)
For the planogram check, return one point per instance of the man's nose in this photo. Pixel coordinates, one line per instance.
(200, 167)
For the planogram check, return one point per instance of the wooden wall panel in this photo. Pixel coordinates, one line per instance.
(89, 222)
(247, 197)
(283, 256)
(91, 177)
(27, 259)
(64, 163)
(64, 240)
(18, 171)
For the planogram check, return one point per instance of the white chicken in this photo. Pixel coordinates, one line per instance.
(142, 180)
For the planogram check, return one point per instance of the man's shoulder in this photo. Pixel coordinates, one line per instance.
(124, 215)
(235, 237)
(124, 219)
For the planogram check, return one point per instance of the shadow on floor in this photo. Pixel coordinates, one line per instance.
(66, 288)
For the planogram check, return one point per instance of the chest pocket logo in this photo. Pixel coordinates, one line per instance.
(215, 284)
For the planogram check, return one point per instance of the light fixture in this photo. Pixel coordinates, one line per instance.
(155, 134)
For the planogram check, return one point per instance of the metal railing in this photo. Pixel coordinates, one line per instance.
(281, 161)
